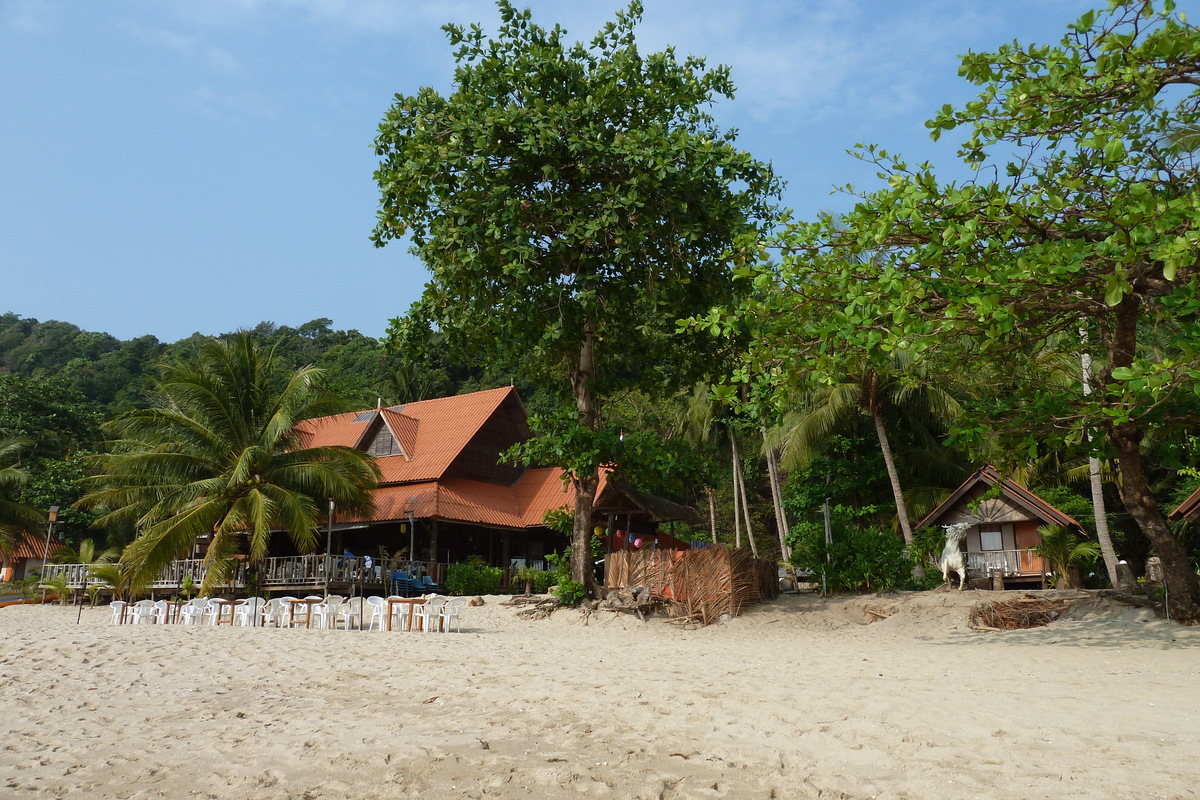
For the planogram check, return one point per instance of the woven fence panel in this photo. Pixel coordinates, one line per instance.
(707, 582)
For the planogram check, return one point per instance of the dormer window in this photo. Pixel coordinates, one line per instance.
(384, 444)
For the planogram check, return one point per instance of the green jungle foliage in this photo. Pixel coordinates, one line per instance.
(473, 579)
(867, 559)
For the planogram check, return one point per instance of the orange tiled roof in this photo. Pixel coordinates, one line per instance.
(431, 432)
(27, 548)
(522, 505)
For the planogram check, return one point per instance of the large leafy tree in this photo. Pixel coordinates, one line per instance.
(571, 201)
(1091, 236)
(219, 457)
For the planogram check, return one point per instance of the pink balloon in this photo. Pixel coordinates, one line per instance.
(637, 542)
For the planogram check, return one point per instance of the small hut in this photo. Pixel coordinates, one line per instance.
(1004, 528)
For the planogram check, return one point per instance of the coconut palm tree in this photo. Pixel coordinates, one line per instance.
(16, 518)
(219, 457)
(1065, 551)
(879, 392)
(87, 553)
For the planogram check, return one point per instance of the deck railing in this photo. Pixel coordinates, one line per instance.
(278, 573)
(1009, 562)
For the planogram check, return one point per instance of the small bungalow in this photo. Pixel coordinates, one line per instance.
(25, 559)
(1003, 527)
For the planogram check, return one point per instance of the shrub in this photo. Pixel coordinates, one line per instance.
(543, 581)
(465, 579)
(860, 559)
(570, 592)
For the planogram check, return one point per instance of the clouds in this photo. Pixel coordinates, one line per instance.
(28, 16)
(191, 46)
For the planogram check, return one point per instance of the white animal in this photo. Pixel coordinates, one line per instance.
(952, 557)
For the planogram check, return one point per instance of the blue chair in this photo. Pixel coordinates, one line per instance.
(427, 584)
(402, 584)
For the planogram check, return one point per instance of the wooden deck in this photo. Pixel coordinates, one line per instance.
(1016, 566)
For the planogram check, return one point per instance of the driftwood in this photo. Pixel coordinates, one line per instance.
(537, 607)
(637, 601)
(1023, 612)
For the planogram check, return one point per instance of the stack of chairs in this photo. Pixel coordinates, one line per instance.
(403, 585)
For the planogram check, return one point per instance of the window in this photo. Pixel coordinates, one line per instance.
(991, 538)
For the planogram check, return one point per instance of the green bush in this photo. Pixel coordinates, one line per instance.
(465, 579)
(543, 581)
(570, 592)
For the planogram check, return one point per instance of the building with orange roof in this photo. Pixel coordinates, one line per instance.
(444, 493)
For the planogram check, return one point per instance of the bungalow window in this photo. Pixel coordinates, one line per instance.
(991, 538)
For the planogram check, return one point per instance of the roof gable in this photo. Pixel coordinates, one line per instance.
(1014, 503)
(1189, 509)
(429, 434)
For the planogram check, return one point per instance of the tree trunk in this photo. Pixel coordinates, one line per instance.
(1182, 587)
(737, 468)
(1099, 511)
(777, 500)
(740, 486)
(894, 477)
(585, 485)
(712, 511)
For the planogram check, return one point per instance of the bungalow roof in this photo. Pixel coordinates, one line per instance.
(1189, 509)
(988, 476)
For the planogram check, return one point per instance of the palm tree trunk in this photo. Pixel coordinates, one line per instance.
(781, 525)
(741, 487)
(712, 511)
(737, 520)
(894, 477)
(1098, 509)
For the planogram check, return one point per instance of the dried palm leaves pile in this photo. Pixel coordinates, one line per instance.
(1023, 612)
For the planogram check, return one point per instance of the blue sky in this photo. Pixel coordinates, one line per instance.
(172, 166)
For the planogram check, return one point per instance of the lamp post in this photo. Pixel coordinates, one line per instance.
(53, 518)
(329, 547)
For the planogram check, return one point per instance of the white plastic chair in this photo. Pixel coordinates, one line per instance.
(160, 612)
(270, 613)
(118, 609)
(378, 611)
(451, 612)
(326, 611)
(193, 611)
(283, 611)
(143, 612)
(250, 613)
(348, 612)
(216, 610)
(430, 611)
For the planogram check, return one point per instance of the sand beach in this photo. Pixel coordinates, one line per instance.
(804, 697)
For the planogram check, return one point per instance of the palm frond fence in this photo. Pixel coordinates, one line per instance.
(706, 583)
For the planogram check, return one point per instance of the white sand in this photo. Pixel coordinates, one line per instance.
(797, 699)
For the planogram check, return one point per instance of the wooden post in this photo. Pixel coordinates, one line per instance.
(997, 580)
